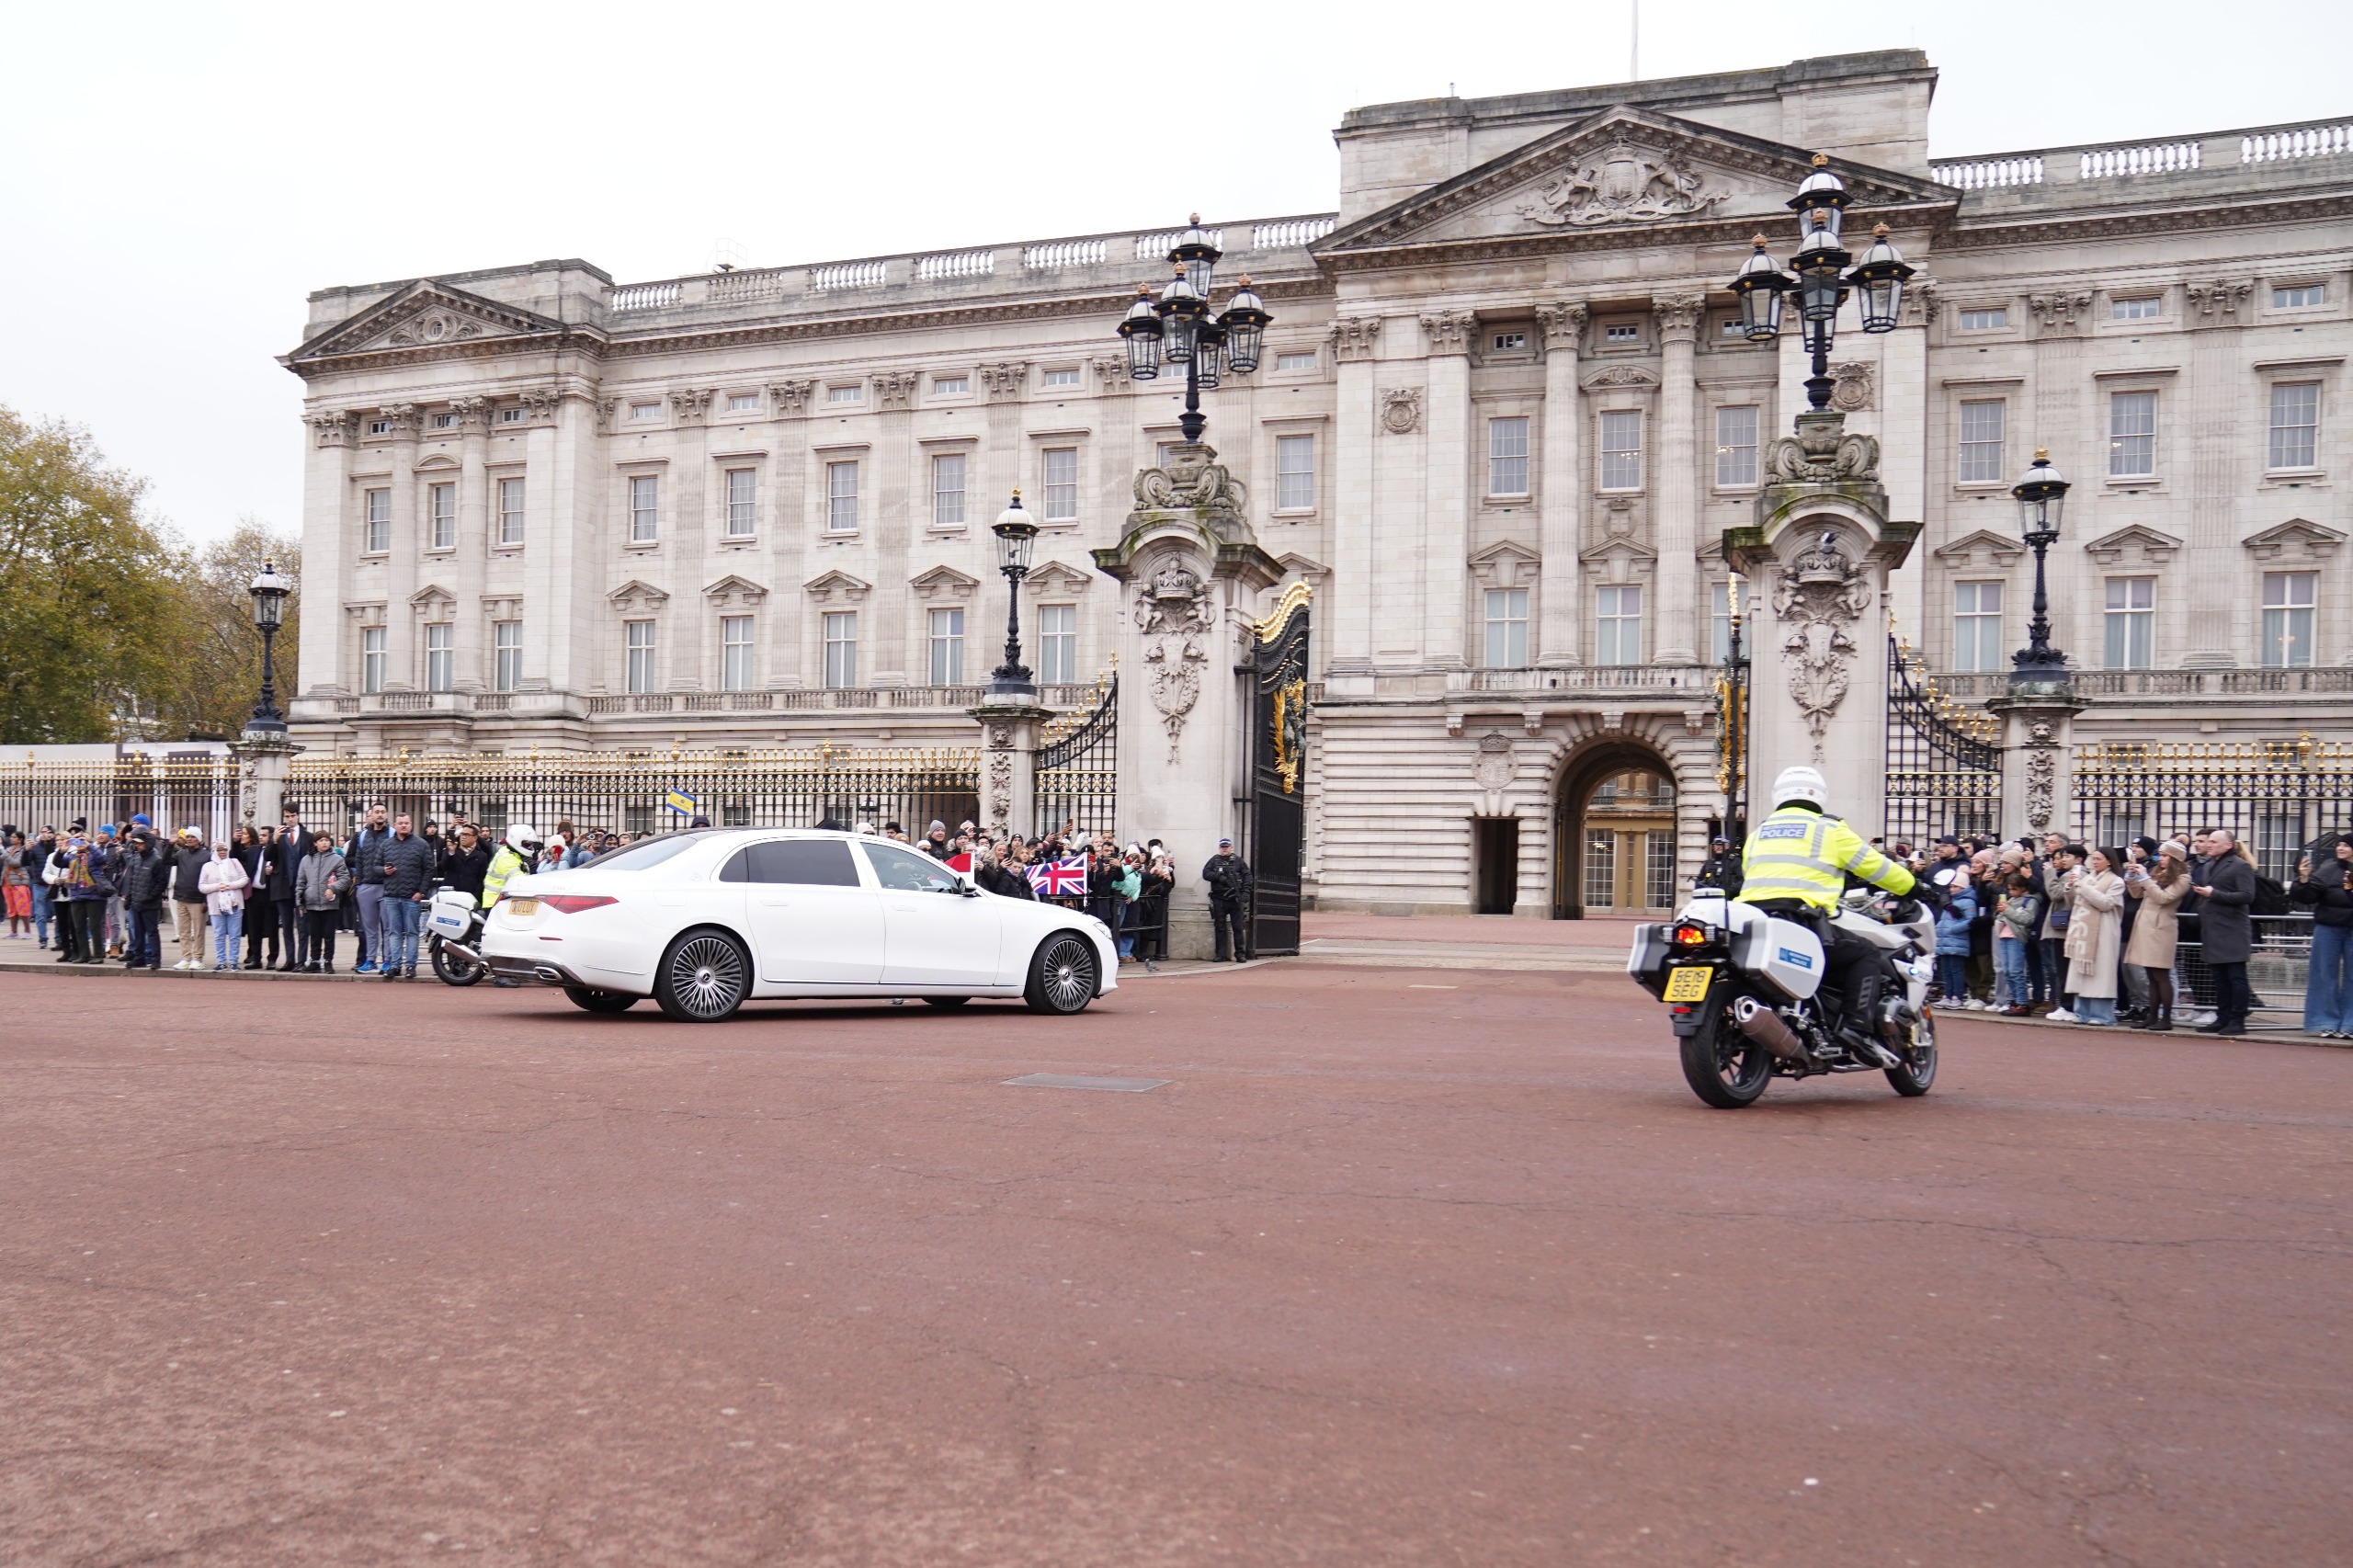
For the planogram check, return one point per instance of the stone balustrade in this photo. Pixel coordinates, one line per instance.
(2093, 163)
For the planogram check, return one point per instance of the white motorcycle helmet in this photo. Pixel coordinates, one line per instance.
(1801, 784)
(522, 840)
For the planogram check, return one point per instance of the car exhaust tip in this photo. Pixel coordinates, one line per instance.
(547, 972)
(1765, 1027)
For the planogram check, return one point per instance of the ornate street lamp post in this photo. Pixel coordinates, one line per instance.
(1177, 329)
(2042, 495)
(1820, 279)
(268, 591)
(1016, 536)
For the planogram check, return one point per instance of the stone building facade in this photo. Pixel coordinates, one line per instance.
(1502, 425)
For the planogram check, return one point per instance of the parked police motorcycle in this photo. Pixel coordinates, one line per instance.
(1743, 992)
(453, 935)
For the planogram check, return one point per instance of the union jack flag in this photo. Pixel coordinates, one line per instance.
(1059, 879)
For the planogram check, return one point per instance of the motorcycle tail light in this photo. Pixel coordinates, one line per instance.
(574, 902)
(1690, 936)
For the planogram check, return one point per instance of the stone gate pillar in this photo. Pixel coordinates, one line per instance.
(265, 762)
(1009, 735)
(2038, 757)
(1819, 556)
(1191, 569)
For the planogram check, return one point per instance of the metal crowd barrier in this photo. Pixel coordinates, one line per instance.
(2275, 970)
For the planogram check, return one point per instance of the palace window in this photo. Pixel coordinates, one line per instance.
(2295, 424)
(379, 513)
(947, 647)
(372, 659)
(1506, 457)
(645, 508)
(2131, 434)
(510, 511)
(1980, 441)
(2131, 622)
(380, 427)
(442, 507)
(1295, 473)
(1506, 629)
(506, 648)
(1060, 472)
(439, 656)
(1057, 644)
(853, 392)
(1736, 446)
(950, 386)
(1621, 334)
(2288, 598)
(948, 491)
(640, 655)
(1617, 624)
(1621, 449)
(1061, 378)
(2143, 307)
(510, 416)
(734, 653)
(2297, 296)
(743, 501)
(1303, 360)
(1989, 318)
(644, 411)
(841, 648)
(743, 403)
(841, 497)
(1977, 626)
(445, 422)
(1508, 343)
(1718, 625)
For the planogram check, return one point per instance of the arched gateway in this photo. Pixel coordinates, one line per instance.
(1614, 834)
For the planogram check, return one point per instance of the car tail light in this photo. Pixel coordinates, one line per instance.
(1688, 936)
(574, 902)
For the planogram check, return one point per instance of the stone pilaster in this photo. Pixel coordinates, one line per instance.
(688, 630)
(1446, 501)
(1562, 474)
(401, 672)
(2205, 437)
(1355, 433)
(473, 543)
(1673, 482)
(327, 551)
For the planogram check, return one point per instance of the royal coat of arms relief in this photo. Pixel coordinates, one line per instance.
(1623, 185)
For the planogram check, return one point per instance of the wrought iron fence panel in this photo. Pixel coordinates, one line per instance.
(1078, 768)
(1944, 773)
(2279, 797)
(199, 791)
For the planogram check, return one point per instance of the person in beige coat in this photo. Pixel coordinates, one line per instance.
(2158, 929)
(2096, 936)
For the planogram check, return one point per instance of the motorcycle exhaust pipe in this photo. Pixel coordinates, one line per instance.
(460, 948)
(1762, 1025)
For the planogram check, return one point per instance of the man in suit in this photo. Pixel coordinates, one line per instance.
(293, 848)
(2223, 888)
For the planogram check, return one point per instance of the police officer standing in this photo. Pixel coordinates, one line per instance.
(1229, 878)
(1721, 869)
(1796, 866)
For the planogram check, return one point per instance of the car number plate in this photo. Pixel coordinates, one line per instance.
(1690, 983)
(522, 907)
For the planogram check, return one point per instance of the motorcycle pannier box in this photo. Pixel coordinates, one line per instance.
(452, 914)
(1782, 953)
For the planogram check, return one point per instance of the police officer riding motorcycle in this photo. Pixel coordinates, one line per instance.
(1793, 975)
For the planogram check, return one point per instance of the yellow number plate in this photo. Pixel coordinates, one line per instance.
(521, 907)
(1689, 985)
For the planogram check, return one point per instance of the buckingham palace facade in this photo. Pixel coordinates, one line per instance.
(1503, 419)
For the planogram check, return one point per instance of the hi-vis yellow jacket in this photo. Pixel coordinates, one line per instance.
(503, 864)
(1799, 854)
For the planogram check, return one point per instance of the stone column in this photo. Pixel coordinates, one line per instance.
(2038, 753)
(326, 493)
(1192, 568)
(689, 630)
(899, 648)
(789, 537)
(1010, 734)
(2210, 435)
(579, 550)
(547, 538)
(399, 574)
(1675, 485)
(473, 543)
(1559, 592)
(1355, 434)
(1445, 520)
(1818, 557)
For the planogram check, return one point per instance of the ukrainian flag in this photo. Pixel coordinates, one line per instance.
(682, 803)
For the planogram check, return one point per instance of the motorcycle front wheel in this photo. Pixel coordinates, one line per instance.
(1724, 1066)
(453, 969)
(1912, 1078)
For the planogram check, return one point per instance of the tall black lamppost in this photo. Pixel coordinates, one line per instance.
(2040, 497)
(1177, 329)
(268, 591)
(1015, 535)
(1822, 279)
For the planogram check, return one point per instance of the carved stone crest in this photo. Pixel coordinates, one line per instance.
(1401, 409)
(1854, 388)
(1820, 595)
(1192, 481)
(1174, 612)
(1822, 452)
(1623, 185)
(1494, 768)
(2042, 781)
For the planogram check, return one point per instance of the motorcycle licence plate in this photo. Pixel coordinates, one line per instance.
(522, 907)
(1688, 984)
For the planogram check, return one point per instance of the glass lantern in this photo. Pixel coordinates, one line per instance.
(1141, 331)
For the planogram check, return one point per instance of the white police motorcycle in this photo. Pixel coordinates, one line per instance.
(453, 937)
(1744, 992)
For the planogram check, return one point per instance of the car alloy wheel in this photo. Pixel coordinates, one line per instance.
(1066, 978)
(706, 977)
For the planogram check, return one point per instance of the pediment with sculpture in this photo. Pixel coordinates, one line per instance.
(425, 316)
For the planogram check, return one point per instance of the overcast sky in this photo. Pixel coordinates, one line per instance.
(178, 176)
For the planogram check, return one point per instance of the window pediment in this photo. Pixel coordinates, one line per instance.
(2295, 539)
(634, 596)
(943, 583)
(1054, 577)
(1979, 547)
(828, 586)
(732, 591)
(1509, 564)
(2137, 545)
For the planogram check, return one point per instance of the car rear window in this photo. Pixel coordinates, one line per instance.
(811, 862)
(638, 857)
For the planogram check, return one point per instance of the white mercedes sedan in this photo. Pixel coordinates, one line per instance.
(705, 920)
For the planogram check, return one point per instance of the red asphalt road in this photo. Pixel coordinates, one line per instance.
(307, 1274)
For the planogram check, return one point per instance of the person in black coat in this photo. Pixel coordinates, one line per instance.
(2223, 891)
(145, 878)
(466, 862)
(2327, 887)
(1229, 878)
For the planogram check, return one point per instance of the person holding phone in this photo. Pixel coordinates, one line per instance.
(2327, 888)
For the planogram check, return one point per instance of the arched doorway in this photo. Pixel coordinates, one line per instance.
(1614, 834)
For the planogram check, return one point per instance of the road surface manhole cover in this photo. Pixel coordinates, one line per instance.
(1075, 1081)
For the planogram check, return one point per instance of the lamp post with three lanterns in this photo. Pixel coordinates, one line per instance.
(1177, 329)
(1820, 277)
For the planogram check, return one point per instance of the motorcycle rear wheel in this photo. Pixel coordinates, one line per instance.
(1724, 1067)
(454, 971)
(1912, 1079)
